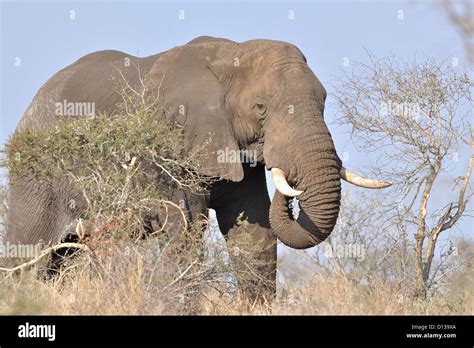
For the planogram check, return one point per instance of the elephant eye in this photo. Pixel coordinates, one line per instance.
(261, 107)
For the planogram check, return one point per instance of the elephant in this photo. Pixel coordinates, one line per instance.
(258, 96)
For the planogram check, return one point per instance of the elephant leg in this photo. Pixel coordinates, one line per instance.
(242, 213)
(182, 249)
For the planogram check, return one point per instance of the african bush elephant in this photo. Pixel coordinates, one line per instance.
(258, 96)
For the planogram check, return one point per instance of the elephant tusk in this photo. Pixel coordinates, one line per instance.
(282, 185)
(358, 180)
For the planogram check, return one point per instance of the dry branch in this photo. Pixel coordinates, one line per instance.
(42, 255)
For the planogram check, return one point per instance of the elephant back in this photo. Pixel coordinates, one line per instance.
(90, 86)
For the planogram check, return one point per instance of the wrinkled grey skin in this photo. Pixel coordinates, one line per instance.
(258, 95)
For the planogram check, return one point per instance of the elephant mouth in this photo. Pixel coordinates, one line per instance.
(293, 208)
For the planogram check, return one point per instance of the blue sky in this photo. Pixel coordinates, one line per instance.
(48, 35)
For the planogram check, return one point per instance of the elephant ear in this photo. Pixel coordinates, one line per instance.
(195, 98)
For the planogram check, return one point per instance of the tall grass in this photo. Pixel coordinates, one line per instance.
(136, 279)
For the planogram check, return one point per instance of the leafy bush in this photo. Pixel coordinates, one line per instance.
(126, 166)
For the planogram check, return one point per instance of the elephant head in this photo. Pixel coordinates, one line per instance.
(261, 95)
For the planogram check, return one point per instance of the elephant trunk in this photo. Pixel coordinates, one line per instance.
(316, 170)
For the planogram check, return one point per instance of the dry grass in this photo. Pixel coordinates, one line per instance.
(131, 280)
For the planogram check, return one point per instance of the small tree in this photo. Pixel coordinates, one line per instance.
(364, 247)
(415, 118)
